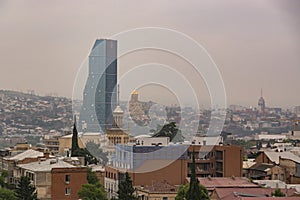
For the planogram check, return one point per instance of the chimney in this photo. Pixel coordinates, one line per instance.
(46, 154)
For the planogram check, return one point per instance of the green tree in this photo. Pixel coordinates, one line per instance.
(182, 192)
(75, 147)
(6, 194)
(92, 192)
(92, 177)
(96, 151)
(126, 190)
(25, 190)
(4, 175)
(169, 130)
(195, 191)
(277, 193)
(79, 152)
(181, 195)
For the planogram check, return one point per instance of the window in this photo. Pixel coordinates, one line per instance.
(165, 198)
(282, 177)
(68, 191)
(67, 178)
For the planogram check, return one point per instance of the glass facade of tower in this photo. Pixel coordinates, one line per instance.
(99, 97)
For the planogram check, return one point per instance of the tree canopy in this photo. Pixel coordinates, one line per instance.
(92, 192)
(169, 130)
(6, 194)
(80, 152)
(75, 147)
(4, 174)
(277, 193)
(92, 177)
(25, 190)
(126, 190)
(192, 191)
(181, 195)
(97, 152)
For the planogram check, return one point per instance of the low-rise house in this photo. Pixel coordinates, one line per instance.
(53, 178)
(277, 184)
(274, 165)
(158, 191)
(249, 193)
(9, 163)
(211, 183)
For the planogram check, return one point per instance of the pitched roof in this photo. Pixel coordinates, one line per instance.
(26, 154)
(46, 166)
(225, 182)
(159, 187)
(271, 198)
(241, 193)
(274, 156)
(262, 166)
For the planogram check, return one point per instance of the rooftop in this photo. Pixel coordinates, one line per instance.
(159, 187)
(225, 182)
(274, 156)
(26, 154)
(277, 184)
(46, 166)
(249, 193)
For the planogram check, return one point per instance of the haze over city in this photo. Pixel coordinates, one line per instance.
(255, 44)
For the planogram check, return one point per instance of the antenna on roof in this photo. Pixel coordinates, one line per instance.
(74, 120)
(118, 97)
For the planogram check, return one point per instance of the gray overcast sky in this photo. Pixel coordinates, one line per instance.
(255, 43)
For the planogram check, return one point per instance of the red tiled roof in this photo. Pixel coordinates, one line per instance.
(162, 186)
(225, 182)
(272, 198)
(241, 193)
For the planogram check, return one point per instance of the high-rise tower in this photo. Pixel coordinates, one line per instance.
(99, 97)
(261, 102)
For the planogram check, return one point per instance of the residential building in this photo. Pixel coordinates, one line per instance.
(146, 165)
(9, 163)
(149, 164)
(217, 160)
(65, 142)
(53, 178)
(272, 165)
(251, 194)
(66, 182)
(52, 143)
(161, 190)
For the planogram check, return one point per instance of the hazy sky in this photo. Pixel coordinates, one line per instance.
(255, 43)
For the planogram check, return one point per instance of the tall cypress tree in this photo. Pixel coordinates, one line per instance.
(25, 190)
(194, 190)
(126, 190)
(75, 146)
(81, 152)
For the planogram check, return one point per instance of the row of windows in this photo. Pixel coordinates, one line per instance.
(143, 197)
(111, 175)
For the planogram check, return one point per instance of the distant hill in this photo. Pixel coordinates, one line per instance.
(23, 113)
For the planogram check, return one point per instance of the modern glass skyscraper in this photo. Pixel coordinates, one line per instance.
(99, 97)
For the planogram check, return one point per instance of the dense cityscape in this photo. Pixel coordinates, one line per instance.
(256, 154)
(199, 103)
